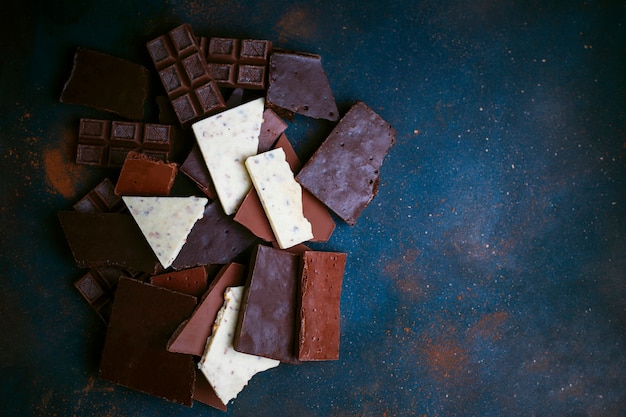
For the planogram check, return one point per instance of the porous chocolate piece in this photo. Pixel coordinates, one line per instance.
(298, 83)
(106, 143)
(107, 83)
(239, 63)
(184, 73)
(344, 172)
(267, 317)
(191, 335)
(102, 199)
(192, 281)
(134, 353)
(195, 168)
(319, 316)
(214, 239)
(145, 176)
(107, 239)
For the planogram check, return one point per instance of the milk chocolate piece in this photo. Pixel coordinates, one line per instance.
(134, 353)
(192, 281)
(145, 176)
(343, 172)
(298, 83)
(320, 294)
(267, 319)
(239, 63)
(106, 143)
(102, 199)
(107, 239)
(214, 239)
(203, 392)
(185, 75)
(107, 83)
(191, 335)
(195, 168)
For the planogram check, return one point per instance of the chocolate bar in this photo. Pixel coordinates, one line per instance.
(145, 176)
(195, 168)
(185, 75)
(107, 83)
(102, 199)
(344, 171)
(106, 143)
(192, 281)
(239, 63)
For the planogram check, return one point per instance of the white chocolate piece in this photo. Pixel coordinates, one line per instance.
(227, 370)
(281, 197)
(226, 140)
(165, 222)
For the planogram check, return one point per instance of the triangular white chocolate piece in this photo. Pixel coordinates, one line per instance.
(227, 370)
(226, 140)
(165, 222)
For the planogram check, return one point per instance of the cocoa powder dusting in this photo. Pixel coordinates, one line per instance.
(62, 173)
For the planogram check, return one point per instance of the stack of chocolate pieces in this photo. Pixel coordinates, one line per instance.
(203, 291)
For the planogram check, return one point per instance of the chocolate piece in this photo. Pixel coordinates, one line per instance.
(320, 293)
(101, 199)
(107, 239)
(343, 172)
(134, 353)
(192, 281)
(145, 176)
(191, 335)
(239, 63)
(195, 168)
(107, 83)
(106, 143)
(298, 83)
(271, 129)
(267, 319)
(203, 392)
(185, 75)
(214, 239)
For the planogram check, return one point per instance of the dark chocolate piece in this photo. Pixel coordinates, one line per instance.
(107, 239)
(195, 168)
(185, 75)
(134, 353)
(192, 281)
(267, 316)
(271, 129)
(239, 63)
(203, 392)
(191, 336)
(344, 172)
(298, 83)
(143, 175)
(106, 143)
(214, 239)
(320, 294)
(107, 83)
(102, 199)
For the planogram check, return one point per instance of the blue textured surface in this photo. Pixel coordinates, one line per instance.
(488, 276)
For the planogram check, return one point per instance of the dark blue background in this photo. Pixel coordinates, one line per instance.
(488, 276)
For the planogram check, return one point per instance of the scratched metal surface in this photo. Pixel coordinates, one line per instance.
(488, 276)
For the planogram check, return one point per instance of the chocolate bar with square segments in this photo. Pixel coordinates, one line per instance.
(239, 62)
(102, 199)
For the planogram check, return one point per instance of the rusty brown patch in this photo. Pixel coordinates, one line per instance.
(489, 326)
(63, 175)
(294, 24)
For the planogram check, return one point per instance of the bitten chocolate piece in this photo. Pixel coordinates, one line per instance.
(102, 199)
(344, 172)
(298, 83)
(134, 353)
(106, 143)
(107, 83)
(239, 63)
(145, 176)
(267, 319)
(107, 239)
(191, 335)
(214, 239)
(320, 294)
(184, 73)
(192, 281)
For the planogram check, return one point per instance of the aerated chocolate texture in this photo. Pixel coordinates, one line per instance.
(106, 143)
(185, 75)
(239, 63)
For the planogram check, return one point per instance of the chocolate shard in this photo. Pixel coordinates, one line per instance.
(203, 392)
(195, 168)
(344, 172)
(102, 199)
(107, 83)
(134, 353)
(298, 83)
(142, 175)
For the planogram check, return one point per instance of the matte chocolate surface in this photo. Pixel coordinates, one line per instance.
(267, 318)
(192, 281)
(195, 168)
(344, 172)
(134, 353)
(107, 83)
(106, 143)
(203, 392)
(102, 199)
(319, 313)
(184, 73)
(271, 129)
(239, 63)
(145, 176)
